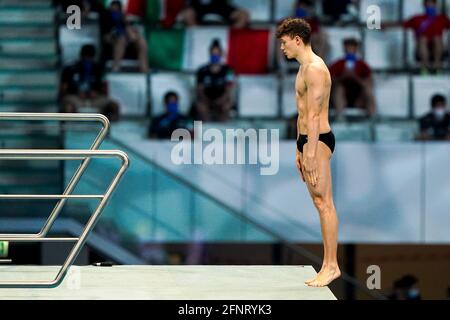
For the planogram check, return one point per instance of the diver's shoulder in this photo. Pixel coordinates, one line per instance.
(317, 67)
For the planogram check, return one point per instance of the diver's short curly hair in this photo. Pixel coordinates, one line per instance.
(295, 27)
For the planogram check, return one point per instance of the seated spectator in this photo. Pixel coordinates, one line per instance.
(305, 9)
(82, 86)
(214, 87)
(196, 11)
(435, 125)
(406, 288)
(352, 81)
(162, 126)
(428, 28)
(119, 33)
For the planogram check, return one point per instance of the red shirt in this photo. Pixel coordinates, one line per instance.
(429, 27)
(361, 68)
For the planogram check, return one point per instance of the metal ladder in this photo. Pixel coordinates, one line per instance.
(85, 156)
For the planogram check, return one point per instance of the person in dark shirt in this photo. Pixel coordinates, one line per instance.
(196, 11)
(352, 81)
(162, 126)
(428, 28)
(82, 86)
(406, 288)
(214, 87)
(435, 125)
(118, 33)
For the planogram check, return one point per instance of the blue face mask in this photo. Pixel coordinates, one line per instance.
(87, 64)
(87, 67)
(215, 58)
(301, 13)
(116, 16)
(413, 293)
(431, 11)
(350, 57)
(172, 107)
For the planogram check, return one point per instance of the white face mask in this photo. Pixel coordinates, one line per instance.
(439, 113)
(413, 293)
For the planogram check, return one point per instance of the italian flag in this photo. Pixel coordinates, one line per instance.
(163, 11)
(247, 51)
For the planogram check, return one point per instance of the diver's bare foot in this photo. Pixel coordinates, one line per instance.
(324, 278)
(311, 280)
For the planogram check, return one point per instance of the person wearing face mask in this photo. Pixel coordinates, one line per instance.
(196, 11)
(305, 9)
(118, 33)
(406, 288)
(82, 86)
(214, 87)
(428, 29)
(435, 125)
(352, 81)
(163, 125)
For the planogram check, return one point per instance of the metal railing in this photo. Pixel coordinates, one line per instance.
(85, 156)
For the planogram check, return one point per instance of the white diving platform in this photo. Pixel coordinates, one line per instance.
(155, 282)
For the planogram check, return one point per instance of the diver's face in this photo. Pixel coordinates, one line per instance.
(289, 46)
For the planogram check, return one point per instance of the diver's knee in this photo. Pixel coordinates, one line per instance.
(322, 204)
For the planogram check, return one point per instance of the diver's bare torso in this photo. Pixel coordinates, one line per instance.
(302, 102)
